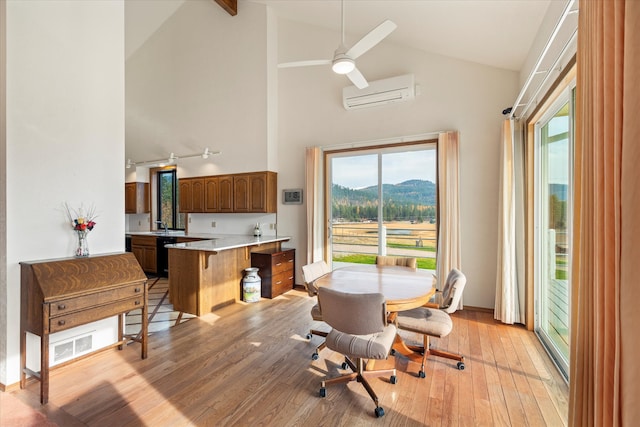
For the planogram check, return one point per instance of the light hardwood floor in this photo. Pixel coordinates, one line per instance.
(250, 364)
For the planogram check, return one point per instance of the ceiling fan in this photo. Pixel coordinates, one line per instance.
(343, 61)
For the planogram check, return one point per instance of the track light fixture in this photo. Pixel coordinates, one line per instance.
(172, 160)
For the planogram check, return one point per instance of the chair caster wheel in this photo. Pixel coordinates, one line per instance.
(393, 352)
(393, 379)
(323, 392)
(314, 356)
(309, 336)
(461, 366)
(379, 411)
(344, 365)
(421, 374)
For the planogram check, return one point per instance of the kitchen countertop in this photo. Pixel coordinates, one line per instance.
(211, 242)
(172, 233)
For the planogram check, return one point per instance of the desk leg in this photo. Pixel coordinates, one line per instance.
(44, 368)
(23, 359)
(145, 323)
(121, 318)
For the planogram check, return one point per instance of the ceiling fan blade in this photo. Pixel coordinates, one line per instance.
(357, 79)
(305, 63)
(372, 38)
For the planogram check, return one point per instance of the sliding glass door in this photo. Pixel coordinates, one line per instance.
(553, 213)
(382, 202)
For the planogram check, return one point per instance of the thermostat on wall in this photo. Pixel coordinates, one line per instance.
(292, 197)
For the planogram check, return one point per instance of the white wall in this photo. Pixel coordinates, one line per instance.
(455, 95)
(65, 137)
(200, 81)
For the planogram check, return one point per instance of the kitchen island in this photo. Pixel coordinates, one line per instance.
(207, 274)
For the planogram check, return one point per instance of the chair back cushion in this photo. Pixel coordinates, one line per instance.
(396, 260)
(312, 272)
(452, 291)
(356, 314)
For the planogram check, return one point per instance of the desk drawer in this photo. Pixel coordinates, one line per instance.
(82, 317)
(79, 303)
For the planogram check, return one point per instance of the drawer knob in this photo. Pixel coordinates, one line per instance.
(279, 281)
(137, 289)
(278, 264)
(61, 306)
(137, 302)
(61, 322)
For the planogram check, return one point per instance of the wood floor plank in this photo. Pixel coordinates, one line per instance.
(250, 364)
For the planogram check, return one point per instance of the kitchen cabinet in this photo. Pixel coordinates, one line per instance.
(277, 270)
(238, 193)
(192, 198)
(255, 192)
(136, 197)
(226, 193)
(145, 250)
(211, 194)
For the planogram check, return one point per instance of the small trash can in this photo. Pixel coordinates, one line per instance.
(251, 285)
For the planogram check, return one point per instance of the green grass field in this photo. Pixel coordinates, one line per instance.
(425, 263)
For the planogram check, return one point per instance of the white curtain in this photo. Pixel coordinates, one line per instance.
(449, 206)
(313, 190)
(510, 292)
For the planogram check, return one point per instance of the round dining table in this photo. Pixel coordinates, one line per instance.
(404, 288)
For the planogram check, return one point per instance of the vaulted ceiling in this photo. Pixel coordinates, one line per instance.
(498, 33)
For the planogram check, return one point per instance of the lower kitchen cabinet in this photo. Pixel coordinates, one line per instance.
(277, 270)
(145, 250)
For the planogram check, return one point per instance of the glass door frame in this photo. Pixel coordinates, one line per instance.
(566, 96)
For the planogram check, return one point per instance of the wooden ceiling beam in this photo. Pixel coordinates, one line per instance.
(230, 6)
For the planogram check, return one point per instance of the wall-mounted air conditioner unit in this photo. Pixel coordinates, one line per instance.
(380, 92)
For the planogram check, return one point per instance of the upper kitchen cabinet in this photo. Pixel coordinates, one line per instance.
(218, 194)
(239, 193)
(255, 192)
(225, 194)
(136, 197)
(192, 198)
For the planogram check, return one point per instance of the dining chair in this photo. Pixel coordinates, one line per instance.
(397, 260)
(435, 322)
(311, 273)
(359, 330)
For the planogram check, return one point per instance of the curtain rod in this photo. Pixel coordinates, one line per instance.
(564, 49)
(547, 46)
(394, 140)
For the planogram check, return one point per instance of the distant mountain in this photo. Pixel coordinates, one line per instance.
(409, 200)
(414, 191)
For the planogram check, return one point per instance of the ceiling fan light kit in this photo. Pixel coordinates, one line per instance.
(343, 64)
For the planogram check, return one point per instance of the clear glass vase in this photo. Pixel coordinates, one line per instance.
(83, 245)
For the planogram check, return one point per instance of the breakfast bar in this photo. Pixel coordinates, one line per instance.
(207, 274)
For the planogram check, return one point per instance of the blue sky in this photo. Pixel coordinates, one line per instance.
(362, 170)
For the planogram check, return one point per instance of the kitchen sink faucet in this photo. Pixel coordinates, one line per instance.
(163, 225)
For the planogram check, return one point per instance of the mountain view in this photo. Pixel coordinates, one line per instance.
(412, 200)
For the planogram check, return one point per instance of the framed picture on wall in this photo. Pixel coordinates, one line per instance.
(292, 196)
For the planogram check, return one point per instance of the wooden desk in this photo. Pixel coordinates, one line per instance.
(402, 287)
(64, 293)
